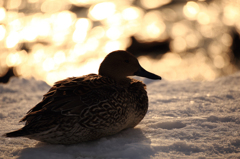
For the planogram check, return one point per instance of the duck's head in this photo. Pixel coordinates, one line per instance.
(120, 64)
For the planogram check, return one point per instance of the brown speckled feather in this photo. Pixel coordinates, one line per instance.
(89, 107)
(93, 102)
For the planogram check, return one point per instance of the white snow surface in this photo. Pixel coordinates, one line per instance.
(186, 119)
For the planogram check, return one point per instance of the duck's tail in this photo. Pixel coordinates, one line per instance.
(17, 133)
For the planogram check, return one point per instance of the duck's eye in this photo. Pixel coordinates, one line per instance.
(126, 61)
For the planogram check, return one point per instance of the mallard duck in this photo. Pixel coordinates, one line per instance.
(90, 107)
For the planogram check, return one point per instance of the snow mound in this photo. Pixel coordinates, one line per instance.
(185, 119)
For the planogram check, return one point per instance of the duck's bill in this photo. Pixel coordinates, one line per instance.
(143, 73)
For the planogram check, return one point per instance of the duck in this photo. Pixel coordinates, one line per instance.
(90, 107)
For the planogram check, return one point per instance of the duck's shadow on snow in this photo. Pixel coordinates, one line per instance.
(130, 143)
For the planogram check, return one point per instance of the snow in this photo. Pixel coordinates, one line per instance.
(186, 119)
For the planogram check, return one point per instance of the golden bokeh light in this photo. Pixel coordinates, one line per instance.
(33, 1)
(153, 27)
(226, 39)
(82, 27)
(132, 13)
(14, 59)
(2, 13)
(13, 4)
(191, 10)
(179, 29)
(12, 39)
(114, 33)
(111, 46)
(71, 37)
(48, 64)
(169, 14)
(52, 6)
(97, 32)
(192, 40)
(218, 61)
(2, 32)
(102, 10)
(231, 13)
(151, 4)
(59, 57)
(203, 18)
(38, 56)
(178, 44)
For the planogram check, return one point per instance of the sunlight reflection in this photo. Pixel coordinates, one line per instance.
(150, 4)
(14, 59)
(2, 32)
(51, 40)
(131, 13)
(2, 13)
(203, 18)
(102, 10)
(191, 9)
(12, 39)
(152, 27)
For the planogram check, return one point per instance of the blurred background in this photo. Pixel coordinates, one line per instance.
(177, 39)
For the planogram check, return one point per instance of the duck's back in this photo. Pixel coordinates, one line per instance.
(86, 108)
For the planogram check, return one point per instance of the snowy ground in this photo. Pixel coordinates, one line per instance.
(185, 120)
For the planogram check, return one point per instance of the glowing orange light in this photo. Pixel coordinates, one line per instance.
(33, 1)
(97, 32)
(92, 44)
(203, 18)
(2, 32)
(2, 13)
(14, 59)
(231, 14)
(38, 55)
(48, 64)
(191, 9)
(153, 30)
(169, 14)
(15, 25)
(79, 36)
(13, 4)
(131, 13)
(218, 61)
(150, 4)
(178, 44)
(192, 40)
(82, 26)
(51, 6)
(63, 20)
(207, 31)
(114, 33)
(111, 46)
(59, 57)
(29, 33)
(226, 39)
(153, 27)
(43, 27)
(12, 39)
(179, 29)
(102, 10)
(215, 48)
(114, 20)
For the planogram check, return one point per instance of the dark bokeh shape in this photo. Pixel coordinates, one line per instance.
(7, 76)
(236, 49)
(153, 49)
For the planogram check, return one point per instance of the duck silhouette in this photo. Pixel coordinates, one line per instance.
(89, 107)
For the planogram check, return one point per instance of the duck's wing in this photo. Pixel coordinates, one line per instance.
(71, 96)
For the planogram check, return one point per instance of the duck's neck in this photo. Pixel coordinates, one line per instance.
(121, 81)
(124, 81)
